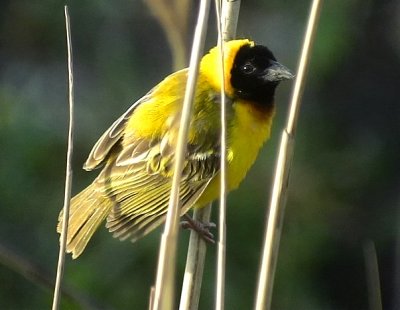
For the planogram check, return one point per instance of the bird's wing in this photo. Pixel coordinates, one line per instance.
(110, 138)
(138, 181)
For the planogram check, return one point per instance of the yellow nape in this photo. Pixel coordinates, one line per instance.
(210, 66)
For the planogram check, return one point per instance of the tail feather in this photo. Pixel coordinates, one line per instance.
(87, 211)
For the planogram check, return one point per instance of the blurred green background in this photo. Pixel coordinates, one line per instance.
(345, 180)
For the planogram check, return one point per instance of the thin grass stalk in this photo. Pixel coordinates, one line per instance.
(227, 17)
(165, 278)
(68, 176)
(281, 177)
(373, 279)
(151, 298)
(197, 248)
(221, 245)
(193, 277)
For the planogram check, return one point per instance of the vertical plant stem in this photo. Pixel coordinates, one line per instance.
(165, 278)
(372, 272)
(227, 17)
(68, 177)
(221, 244)
(281, 179)
(193, 277)
(197, 248)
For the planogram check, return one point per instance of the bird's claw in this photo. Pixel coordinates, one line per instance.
(203, 229)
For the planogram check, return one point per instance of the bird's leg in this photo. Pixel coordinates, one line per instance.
(203, 229)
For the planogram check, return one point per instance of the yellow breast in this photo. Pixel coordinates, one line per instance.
(247, 132)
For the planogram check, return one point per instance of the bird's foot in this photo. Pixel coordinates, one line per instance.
(203, 229)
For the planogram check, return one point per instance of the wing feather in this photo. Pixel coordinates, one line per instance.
(153, 222)
(110, 137)
(140, 184)
(138, 174)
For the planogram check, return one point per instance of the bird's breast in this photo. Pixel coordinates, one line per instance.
(251, 127)
(248, 129)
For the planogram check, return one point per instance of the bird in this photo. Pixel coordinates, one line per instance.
(136, 153)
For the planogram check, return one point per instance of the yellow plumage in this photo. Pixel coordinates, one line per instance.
(132, 190)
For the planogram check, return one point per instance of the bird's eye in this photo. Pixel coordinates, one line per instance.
(248, 68)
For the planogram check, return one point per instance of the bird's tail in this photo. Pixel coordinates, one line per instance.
(87, 211)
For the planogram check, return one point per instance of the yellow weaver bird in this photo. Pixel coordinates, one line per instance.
(136, 152)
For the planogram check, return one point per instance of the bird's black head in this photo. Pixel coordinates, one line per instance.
(256, 73)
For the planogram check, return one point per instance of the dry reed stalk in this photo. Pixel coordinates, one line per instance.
(282, 170)
(227, 20)
(165, 279)
(372, 273)
(68, 176)
(191, 287)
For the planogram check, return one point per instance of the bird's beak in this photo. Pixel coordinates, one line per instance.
(277, 72)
